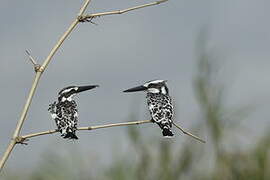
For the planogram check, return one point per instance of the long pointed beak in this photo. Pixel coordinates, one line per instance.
(138, 88)
(85, 88)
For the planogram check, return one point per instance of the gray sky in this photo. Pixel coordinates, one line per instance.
(123, 51)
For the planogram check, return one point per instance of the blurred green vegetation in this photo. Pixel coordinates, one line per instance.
(161, 159)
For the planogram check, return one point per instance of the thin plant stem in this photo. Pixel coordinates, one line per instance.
(188, 133)
(90, 16)
(39, 72)
(39, 69)
(88, 128)
(20, 122)
(33, 61)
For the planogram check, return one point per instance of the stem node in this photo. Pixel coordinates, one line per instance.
(21, 140)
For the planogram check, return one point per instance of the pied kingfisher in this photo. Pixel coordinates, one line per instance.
(159, 104)
(64, 111)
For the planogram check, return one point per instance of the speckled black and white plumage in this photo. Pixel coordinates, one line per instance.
(64, 111)
(159, 103)
(65, 115)
(161, 110)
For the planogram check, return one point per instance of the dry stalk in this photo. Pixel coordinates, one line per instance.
(39, 69)
(39, 72)
(28, 136)
(89, 128)
(33, 61)
(89, 17)
(188, 133)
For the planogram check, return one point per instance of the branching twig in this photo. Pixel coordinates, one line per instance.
(39, 69)
(188, 133)
(33, 61)
(39, 72)
(39, 134)
(89, 128)
(114, 125)
(89, 17)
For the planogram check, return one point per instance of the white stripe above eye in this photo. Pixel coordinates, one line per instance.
(69, 89)
(153, 90)
(153, 82)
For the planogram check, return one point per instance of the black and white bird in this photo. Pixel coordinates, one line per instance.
(64, 111)
(159, 104)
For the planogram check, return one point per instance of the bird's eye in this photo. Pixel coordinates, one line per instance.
(151, 85)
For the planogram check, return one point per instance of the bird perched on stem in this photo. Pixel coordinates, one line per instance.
(64, 112)
(159, 104)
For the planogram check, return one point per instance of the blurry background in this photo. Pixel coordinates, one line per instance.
(215, 55)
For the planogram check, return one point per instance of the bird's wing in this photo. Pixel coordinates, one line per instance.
(156, 110)
(161, 110)
(168, 108)
(70, 114)
(52, 107)
(53, 110)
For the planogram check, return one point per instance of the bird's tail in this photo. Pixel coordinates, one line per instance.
(70, 135)
(167, 132)
(166, 129)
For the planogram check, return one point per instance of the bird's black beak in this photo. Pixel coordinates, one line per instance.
(85, 88)
(138, 88)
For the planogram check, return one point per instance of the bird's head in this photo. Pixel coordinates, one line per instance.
(67, 93)
(154, 87)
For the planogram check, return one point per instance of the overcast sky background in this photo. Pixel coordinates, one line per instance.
(123, 51)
